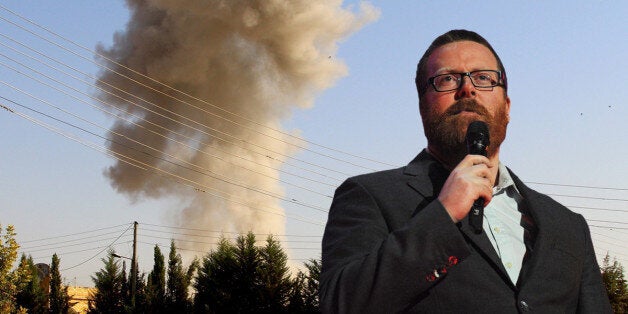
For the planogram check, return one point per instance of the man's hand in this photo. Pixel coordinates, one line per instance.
(472, 178)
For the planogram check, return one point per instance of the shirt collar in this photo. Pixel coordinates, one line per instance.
(504, 180)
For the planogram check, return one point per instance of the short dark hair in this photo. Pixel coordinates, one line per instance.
(450, 37)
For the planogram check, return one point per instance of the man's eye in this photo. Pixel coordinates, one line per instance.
(483, 77)
(447, 78)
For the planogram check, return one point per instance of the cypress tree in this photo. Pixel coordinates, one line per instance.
(58, 294)
(179, 280)
(108, 297)
(156, 286)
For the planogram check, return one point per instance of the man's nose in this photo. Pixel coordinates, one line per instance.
(466, 88)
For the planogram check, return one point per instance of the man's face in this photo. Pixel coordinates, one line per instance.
(446, 115)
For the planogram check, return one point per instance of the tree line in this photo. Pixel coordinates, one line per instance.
(236, 277)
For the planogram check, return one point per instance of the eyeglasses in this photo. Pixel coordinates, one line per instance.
(482, 79)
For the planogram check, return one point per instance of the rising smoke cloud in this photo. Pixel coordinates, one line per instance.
(258, 59)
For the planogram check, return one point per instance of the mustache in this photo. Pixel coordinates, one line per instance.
(466, 104)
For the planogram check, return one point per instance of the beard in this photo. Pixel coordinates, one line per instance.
(446, 132)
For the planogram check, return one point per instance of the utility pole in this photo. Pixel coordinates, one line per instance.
(134, 266)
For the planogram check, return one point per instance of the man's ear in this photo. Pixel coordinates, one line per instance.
(507, 109)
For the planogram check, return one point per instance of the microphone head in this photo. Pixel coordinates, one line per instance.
(477, 138)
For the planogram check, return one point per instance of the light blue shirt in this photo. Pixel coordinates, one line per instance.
(502, 223)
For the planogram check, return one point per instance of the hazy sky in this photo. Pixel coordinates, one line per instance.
(566, 64)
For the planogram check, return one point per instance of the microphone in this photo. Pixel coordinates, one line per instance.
(477, 140)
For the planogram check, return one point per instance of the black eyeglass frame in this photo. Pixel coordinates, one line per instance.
(499, 82)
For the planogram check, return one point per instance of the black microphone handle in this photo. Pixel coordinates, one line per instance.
(476, 215)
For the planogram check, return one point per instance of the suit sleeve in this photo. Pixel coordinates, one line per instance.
(593, 297)
(366, 266)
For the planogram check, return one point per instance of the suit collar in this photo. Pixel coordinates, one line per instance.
(418, 165)
(425, 166)
(546, 223)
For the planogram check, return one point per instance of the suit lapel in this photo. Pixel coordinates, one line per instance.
(485, 248)
(544, 224)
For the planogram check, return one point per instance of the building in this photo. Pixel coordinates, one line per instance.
(79, 298)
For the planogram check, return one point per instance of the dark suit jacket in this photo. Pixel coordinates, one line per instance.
(390, 246)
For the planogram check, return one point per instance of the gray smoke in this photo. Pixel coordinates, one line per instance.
(259, 59)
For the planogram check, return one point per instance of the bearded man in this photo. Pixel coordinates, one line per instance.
(400, 241)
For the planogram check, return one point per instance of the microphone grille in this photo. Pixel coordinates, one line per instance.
(478, 130)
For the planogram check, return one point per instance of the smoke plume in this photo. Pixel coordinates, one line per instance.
(242, 60)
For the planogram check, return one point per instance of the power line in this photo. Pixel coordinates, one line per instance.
(602, 256)
(128, 157)
(81, 251)
(236, 143)
(609, 221)
(609, 227)
(191, 183)
(137, 162)
(165, 246)
(218, 237)
(68, 245)
(598, 208)
(229, 232)
(590, 197)
(66, 242)
(201, 171)
(143, 119)
(72, 234)
(99, 252)
(12, 111)
(622, 245)
(182, 92)
(578, 186)
(618, 254)
(214, 243)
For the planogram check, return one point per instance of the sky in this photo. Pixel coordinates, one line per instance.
(565, 63)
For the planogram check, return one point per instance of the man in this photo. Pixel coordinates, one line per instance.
(400, 241)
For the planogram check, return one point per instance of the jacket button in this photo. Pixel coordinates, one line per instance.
(524, 306)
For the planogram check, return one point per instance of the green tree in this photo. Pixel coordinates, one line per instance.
(244, 278)
(179, 280)
(275, 283)
(125, 290)
(156, 285)
(141, 295)
(310, 291)
(8, 278)
(108, 297)
(615, 283)
(30, 295)
(229, 280)
(304, 294)
(214, 291)
(59, 298)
